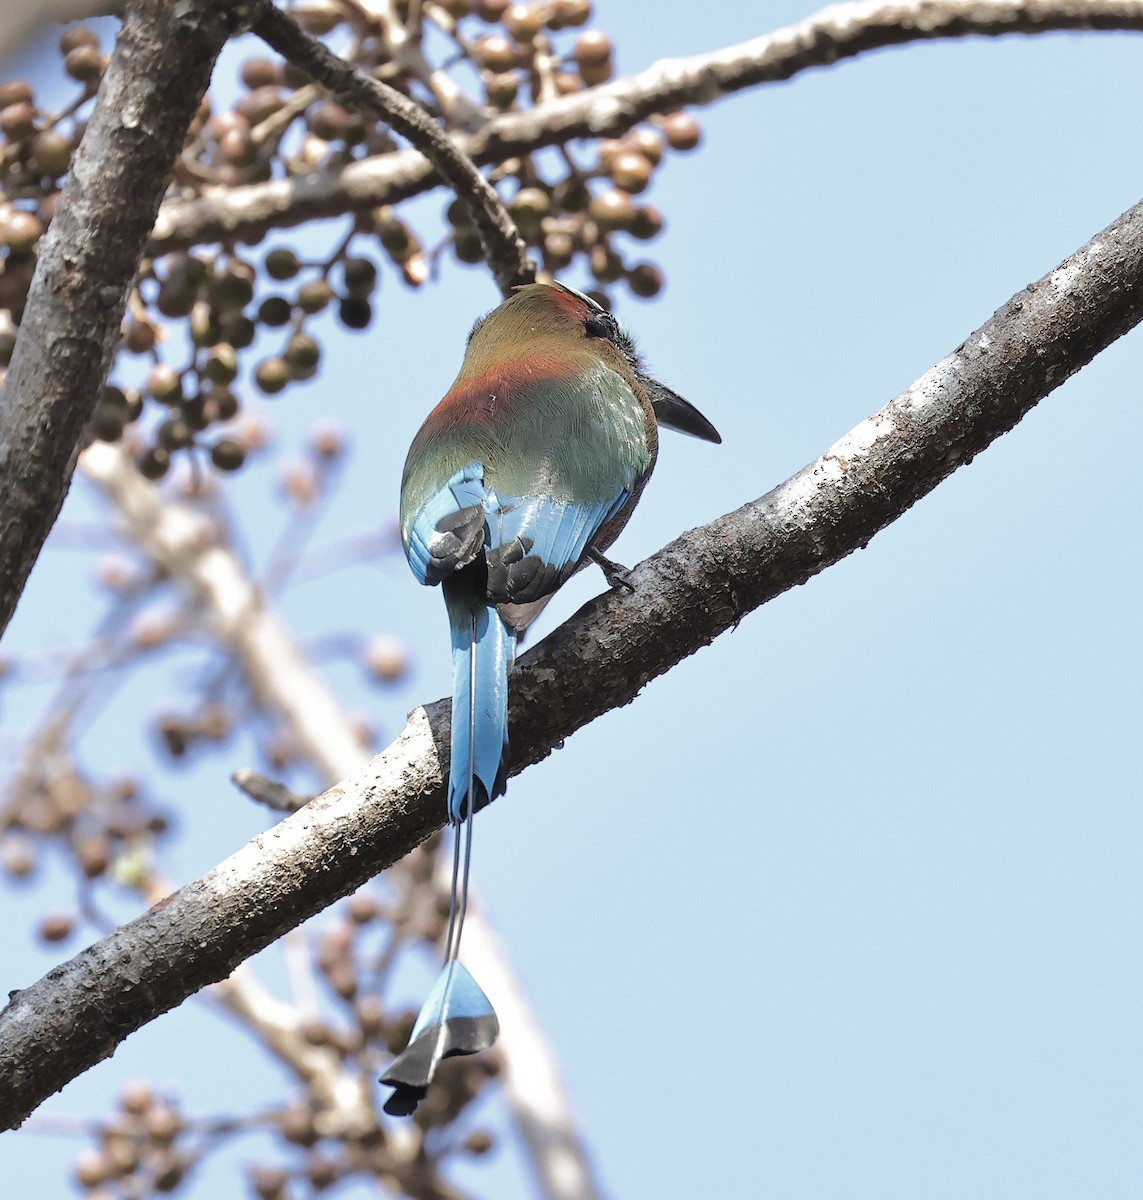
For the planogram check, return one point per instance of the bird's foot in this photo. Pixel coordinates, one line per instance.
(616, 574)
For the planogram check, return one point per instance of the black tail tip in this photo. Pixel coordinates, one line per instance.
(404, 1100)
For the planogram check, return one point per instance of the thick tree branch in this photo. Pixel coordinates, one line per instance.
(691, 591)
(504, 248)
(840, 31)
(157, 75)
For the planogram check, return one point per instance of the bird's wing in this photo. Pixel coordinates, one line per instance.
(544, 468)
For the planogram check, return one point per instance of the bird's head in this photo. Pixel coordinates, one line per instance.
(559, 312)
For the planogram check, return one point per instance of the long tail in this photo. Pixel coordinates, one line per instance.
(457, 1017)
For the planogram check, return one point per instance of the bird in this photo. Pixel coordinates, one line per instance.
(524, 473)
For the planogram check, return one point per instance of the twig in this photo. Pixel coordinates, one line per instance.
(837, 32)
(275, 796)
(504, 248)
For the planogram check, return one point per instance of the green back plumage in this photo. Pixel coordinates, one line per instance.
(546, 409)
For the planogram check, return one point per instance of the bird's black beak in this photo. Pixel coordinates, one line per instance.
(676, 413)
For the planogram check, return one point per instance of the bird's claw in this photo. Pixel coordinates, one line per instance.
(616, 574)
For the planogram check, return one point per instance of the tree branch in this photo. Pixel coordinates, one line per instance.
(687, 594)
(504, 248)
(157, 75)
(837, 32)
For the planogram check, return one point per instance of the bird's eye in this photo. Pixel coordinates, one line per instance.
(602, 325)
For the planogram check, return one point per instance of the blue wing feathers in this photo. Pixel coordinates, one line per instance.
(533, 542)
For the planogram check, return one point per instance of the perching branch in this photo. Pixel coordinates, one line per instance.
(504, 248)
(687, 594)
(158, 73)
(837, 32)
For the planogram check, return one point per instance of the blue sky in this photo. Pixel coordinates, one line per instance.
(848, 903)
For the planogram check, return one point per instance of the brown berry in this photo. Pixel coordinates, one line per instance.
(56, 927)
(321, 1171)
(495, 53)
(502, 88)
(646, 141)
(154, 463)
(136, 1097)
(559, 249)
(565, 13)
(85, 64)
(227, 455)
(363, 908)
(314, 296)
(51, 154)
(592, 49)
(282, 263)
(328, 121)
(467, 246)
(523, 21)
(20, 231)
(18, 121)
(269, 1183)
(355, 313)
(14, 91)
(107, 423)
(175, 434)
(360, 276)
(275, 311)
(682, 131)
(327, 438)
(78, 35)
(645, 279)
(386, 658)
(164, 384)
(93, 854)
(319, 17)
(261, 103)
(646, 223)
(139, 336)
(260, 72)
(606, 265)
(631, 172)
(302, 352)
(490, 10)
(612, 209)
(272, 375)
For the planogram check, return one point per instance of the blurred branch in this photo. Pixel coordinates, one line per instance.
(157, 75)
(346, 1098)
(504, 248)
(686, 595)
(837, 32)
(19, 20)
(186, 546)
(273, 795)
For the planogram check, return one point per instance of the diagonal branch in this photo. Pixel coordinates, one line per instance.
(156, 77)
(504, 248)
(837, 32)
(688, 593)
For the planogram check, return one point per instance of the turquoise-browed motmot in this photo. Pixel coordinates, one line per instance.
(526, 470)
